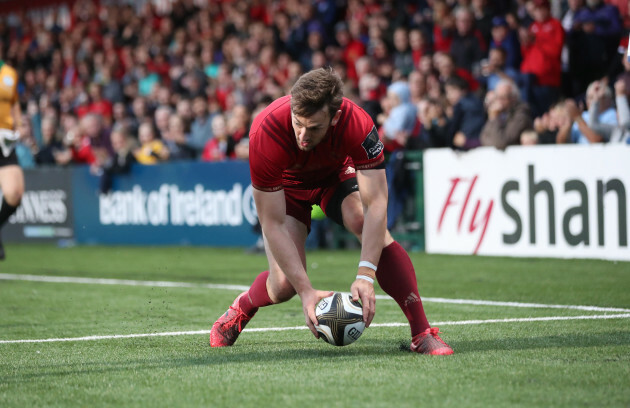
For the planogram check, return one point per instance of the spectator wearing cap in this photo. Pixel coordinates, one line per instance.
(541, 47)
(593, 42)
(502, 36)
(508, 116)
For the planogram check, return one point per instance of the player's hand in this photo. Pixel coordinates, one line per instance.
(310, 299)
(364, 290)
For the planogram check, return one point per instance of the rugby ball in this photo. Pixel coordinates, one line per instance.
(340, 319)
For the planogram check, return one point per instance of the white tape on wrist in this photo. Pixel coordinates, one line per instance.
(368, 264)
(367, 278)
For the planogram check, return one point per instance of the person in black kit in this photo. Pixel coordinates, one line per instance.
(11, 175)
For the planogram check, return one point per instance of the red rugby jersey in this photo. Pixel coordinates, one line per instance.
(275, 161)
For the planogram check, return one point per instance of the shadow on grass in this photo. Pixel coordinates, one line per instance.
(267, 353)
(279, 352)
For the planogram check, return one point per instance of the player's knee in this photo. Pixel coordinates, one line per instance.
(13, 196)
(354, 223)
(282, 294)
(281, 291)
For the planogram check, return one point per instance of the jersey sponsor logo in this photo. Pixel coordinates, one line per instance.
(372, 144)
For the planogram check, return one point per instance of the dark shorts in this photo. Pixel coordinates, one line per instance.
(299, 202)
(8, 161)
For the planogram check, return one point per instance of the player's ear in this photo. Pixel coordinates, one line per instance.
(335, 118)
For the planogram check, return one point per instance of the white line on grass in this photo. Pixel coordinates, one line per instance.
(275, 329)
(169, 284)
(124, 282)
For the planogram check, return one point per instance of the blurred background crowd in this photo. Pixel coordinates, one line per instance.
(111, 83)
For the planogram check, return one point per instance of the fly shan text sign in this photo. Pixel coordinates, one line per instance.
(544, 201)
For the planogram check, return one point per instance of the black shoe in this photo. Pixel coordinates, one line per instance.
(2, 254)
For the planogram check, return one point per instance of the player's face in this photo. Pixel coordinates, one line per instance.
(309, 132)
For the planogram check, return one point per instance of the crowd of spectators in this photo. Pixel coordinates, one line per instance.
(120, 83)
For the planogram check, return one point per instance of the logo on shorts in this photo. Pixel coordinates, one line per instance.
(372, 144)
(350, 170)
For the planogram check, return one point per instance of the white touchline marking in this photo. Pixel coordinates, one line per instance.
(170, 284)
(124, 282)
(526, 305)
(276, 329)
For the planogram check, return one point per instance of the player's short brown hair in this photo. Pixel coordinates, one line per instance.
(315, 90)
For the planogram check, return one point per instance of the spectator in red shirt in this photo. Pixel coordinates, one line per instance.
(221, 146)
(418, 44)
(92, 145)
(541, 47)
(443, 26)
(98, 104)
(351, 50)
(446, 68)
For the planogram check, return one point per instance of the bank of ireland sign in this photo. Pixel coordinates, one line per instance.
(178, 203)
(551, 201)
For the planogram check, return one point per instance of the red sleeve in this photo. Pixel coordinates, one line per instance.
(363, 145)
(265, 173)
(369, 153)
(270, 147)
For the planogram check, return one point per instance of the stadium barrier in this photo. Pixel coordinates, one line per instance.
(170, 204)
(568, 201)
(46, 210)
(541, 201)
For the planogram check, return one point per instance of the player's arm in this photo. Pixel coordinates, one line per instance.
(373, 191)
(271, 208)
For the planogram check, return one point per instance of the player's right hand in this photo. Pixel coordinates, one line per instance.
(310, 299)
(364, 291)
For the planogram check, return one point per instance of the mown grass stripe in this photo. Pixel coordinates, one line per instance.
(275, 329)
(171, 284)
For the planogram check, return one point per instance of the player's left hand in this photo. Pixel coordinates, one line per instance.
(364, 290)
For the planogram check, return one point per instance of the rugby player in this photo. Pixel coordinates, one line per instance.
(316, 147)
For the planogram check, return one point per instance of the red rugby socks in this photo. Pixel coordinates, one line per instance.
(256, 296)
(397, 277)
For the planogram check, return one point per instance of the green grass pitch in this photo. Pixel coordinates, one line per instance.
(544, 356)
